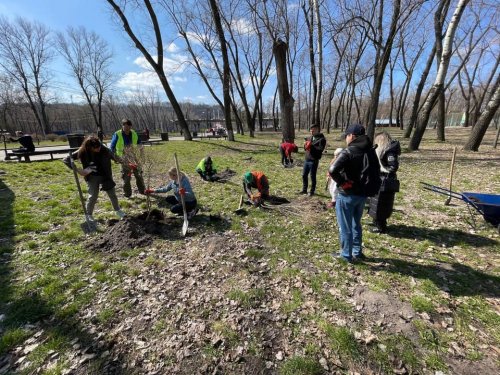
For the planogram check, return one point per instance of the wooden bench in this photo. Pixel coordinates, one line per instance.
(26, 155)
(211, 136)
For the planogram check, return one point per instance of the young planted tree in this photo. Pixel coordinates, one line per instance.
(89, 58)
(26, 52)
(155, 62)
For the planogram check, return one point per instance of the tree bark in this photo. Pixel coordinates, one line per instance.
(286, 100)
(438, 85)
(477, 134)
(226, 72)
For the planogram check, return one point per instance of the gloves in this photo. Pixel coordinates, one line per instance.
(307, 145)
(149, 191)
(182, 191)
(346, 185)
(132, 166)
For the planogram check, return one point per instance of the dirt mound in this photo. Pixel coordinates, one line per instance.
(386, 311)
(226, 175)
(135, 231)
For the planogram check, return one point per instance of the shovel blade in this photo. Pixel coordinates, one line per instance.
(185, 226)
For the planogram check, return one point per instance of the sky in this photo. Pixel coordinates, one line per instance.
(128, 64)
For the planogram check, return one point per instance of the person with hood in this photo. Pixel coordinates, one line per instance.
(347, 171)
(382, 204)
(184, 189)
(314, 146)
(256, 180)
(96, 161)
(286, 149)
(207, 169)
(25, 140)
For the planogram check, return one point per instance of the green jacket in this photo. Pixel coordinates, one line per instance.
(201, 167)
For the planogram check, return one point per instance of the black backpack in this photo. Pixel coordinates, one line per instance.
(370, 180)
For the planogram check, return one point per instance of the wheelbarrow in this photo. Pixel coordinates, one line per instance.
(488, 205)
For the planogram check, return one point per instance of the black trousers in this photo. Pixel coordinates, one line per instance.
(177, 206)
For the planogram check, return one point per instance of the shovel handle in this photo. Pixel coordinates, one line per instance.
(241, 202)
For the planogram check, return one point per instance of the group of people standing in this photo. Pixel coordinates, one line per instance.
(347, 181)
(348, 178)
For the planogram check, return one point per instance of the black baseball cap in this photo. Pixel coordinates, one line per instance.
(355, 129)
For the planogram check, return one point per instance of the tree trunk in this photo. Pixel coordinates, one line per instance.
(286, 100)
(484, 121)
(438, 86)
(226, 72)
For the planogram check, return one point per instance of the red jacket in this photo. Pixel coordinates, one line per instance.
(289, 148)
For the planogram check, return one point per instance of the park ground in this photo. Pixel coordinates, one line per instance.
(253, 294)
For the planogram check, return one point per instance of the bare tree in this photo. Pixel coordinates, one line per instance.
(226, 69)
(438, 85)
(25, 54)
(484, 121)
(155, 62)
(89, 57)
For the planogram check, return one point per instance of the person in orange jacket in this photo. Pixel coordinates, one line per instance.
(256, 180)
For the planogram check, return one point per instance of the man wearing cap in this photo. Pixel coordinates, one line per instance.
(314, 146)
(256, 180)
(125, 139)
(346, 172)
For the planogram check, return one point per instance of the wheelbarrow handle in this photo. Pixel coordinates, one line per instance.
(443, 191)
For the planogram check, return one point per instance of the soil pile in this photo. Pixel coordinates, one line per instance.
(135, 231)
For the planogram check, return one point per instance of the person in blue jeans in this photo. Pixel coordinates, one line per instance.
(313, 146)
(346, 172)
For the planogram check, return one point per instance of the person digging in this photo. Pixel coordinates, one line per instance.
(96, 162)
(184, 189)
(256, 180)
(207, 169)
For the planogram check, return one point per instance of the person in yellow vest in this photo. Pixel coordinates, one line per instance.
(122, 139)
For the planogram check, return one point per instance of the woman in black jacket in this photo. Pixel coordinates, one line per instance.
(381, 205)
(96, 162)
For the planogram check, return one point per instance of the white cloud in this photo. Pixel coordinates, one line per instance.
(172, 48)
(201, 97)
(179, 79)
(172, 65)
(243, 26)
(142, 79)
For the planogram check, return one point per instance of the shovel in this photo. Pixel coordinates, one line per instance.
(447, 202)
(186, 222)
(240, 210)
(73, 167)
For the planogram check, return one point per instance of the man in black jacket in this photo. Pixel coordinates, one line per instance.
(314, 146)
(346, 172)
(25, 140)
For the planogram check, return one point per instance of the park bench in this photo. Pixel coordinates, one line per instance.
(10, 154)
(211, 136)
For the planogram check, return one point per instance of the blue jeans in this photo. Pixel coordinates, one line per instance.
(310, 166)
(349, 209)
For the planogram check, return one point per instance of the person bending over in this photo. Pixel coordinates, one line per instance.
(207, 169)
(256, 180)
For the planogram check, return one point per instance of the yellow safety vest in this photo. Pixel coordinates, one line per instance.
(120, 144)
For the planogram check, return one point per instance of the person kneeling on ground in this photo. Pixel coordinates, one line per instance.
(96, 162)
(184, 190)
(25, 140)
(207, 169)
(256, 180)
(286, 149)
(330, 183)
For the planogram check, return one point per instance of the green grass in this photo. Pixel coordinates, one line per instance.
(342, 341)
(301, 366)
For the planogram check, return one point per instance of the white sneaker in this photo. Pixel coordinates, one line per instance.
(121, 214)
